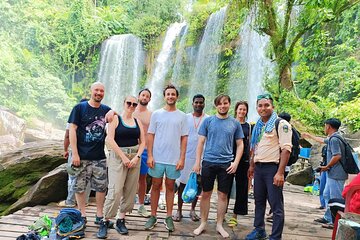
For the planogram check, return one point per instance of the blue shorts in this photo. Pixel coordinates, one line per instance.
(144, 167)
(169, 170)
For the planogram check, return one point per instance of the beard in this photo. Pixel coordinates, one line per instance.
(97, 99)
(143, 103)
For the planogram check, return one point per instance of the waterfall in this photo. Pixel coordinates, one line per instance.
(163, 63)
(121, 66)
(204, 77)
(179, 68)
(249, 66)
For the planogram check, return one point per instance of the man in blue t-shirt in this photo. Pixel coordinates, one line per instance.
(87, 140)
(219, 132)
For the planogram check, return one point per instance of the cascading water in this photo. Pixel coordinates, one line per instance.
(204, 77)
(179, 65)
(163, 63)
(249, 66)
(121, 66)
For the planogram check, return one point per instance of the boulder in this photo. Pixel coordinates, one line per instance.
(22, 168)
(50, 188)
(39, 130)
(12, 131)
(301, 173)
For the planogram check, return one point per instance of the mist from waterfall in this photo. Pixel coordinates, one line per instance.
(249, 66)
(163, 64)
(205, 77)
(121, 67)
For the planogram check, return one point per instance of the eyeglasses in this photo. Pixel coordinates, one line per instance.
(134, 104)
(266, 96)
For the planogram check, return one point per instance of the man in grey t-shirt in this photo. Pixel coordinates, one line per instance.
(336, 175)
(219, 132)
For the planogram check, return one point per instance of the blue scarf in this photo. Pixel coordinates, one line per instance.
(269, 126)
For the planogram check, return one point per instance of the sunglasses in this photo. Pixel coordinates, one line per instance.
(264, 96)
(134, 104)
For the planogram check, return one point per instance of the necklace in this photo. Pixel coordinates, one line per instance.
(196, 125)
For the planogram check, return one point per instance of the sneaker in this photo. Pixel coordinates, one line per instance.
(169, 224)
(98, 220)
(143, 212)
(120, 226)
(151, 223)
(321, 220)
(103, 228)
(147, 199)
(256, 234)
(64, 204)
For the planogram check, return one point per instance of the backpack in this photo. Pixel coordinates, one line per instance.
(70, 224)
(347, 161)
(323, 155)
(295, 150)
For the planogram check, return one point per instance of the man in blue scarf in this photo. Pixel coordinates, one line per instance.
(270, 155)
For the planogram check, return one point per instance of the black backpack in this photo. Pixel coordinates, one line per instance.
(347, 162)
(295, 150)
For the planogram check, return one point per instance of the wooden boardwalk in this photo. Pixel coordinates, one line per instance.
(300, 211)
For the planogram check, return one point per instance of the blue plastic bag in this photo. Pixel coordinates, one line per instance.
(191, 188)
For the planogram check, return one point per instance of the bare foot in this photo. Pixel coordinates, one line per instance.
(200, 229)
(220, 229)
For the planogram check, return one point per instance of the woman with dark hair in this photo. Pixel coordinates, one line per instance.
(241, 179)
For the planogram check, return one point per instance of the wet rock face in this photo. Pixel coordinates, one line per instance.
(12, 131)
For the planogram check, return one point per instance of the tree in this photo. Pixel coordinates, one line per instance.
(287, 21)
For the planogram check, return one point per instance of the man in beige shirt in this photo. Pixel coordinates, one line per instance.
(271, 151)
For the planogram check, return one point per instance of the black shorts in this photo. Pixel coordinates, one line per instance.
(211, 171)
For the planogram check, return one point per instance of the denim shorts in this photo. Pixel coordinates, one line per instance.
(169, 170)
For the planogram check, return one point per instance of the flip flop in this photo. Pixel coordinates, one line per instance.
(232, 222)
(194, 217)
(177, 217)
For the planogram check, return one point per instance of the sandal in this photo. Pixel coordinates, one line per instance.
(177, 217)
(232, 222)
(194, 217)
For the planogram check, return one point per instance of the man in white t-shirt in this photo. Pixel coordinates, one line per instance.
(167, 139)
(194, 119)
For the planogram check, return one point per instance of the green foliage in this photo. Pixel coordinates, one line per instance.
(51, 49)
(309, 113)
(236, 14)
(197, 20)
(349, 113)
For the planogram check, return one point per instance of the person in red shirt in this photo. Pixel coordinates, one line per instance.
(338, 204)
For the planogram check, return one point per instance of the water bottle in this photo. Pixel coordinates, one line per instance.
(316, 187)
(52, 235)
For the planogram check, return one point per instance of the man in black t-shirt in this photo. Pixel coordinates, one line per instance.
(87, 140)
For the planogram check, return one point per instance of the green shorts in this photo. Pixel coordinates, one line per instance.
(160, 169)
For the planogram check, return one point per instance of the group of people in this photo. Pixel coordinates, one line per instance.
(168, 144)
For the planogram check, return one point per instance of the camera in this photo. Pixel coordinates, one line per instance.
(318, 169)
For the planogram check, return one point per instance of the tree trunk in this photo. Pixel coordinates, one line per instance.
(285, 77)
